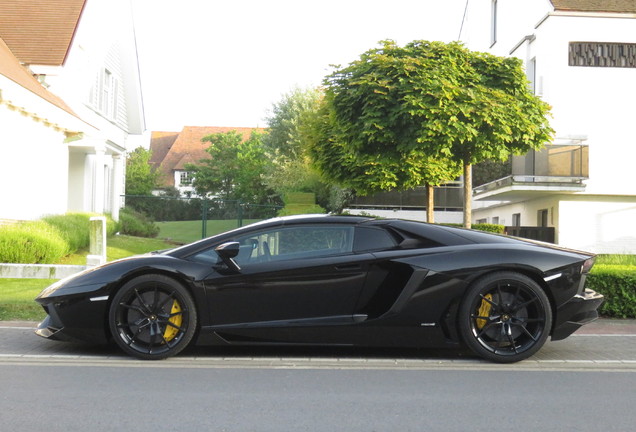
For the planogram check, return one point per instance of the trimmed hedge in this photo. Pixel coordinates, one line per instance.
(48, 240)
(32, 243)
(75, 228)
(493, 228)
(618, 284)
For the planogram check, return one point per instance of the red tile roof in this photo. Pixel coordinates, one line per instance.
(11, 68)
(188, 147)
(615, 6)
(160, 144)
(39, 31)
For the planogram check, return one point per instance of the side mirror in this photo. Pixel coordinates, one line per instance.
(228, 251)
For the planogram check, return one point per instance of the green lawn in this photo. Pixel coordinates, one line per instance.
(16, 295)
(189, 231)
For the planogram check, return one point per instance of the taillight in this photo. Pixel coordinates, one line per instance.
(587, 265)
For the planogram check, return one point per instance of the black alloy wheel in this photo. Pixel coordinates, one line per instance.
(152, 317)
(505, 317)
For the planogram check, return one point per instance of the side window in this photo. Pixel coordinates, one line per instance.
(295, 243)
(370, 239)
(286, 243)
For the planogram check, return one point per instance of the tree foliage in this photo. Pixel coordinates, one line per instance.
(285, 120)
(141, 176)
(291, 169)
(235, 169)
(392, 114)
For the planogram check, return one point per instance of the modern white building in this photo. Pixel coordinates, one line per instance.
(70, 99)
(580, 57)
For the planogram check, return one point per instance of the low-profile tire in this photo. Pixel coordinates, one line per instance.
(505, 317)
(152, 317)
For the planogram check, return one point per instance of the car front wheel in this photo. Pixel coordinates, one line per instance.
(152, 317)
(505, 317)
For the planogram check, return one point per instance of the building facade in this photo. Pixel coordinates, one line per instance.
(580, 57)
(70, 102)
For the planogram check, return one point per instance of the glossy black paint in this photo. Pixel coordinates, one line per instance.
(403, 292)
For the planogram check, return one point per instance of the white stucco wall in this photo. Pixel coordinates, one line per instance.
(604, 225)
(528, 210)
(33, 167)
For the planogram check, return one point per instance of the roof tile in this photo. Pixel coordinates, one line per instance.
(39, 31)
(614, 6)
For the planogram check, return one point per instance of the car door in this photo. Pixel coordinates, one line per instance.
(290, 277)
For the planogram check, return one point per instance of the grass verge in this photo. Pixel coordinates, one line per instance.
(16, 295)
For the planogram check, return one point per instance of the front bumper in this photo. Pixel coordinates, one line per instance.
(580, 310)
(74, 320)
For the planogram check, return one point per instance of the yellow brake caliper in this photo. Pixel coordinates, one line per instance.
(484, 310)
(176, 320)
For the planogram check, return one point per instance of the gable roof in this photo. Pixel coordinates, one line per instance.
(186, 148)
(160, 144)
(615, 6)
(11, 68)
(39, 31)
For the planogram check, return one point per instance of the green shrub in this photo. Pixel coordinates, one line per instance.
(618, 284)
(137, 224)
(616, 259)
(75, 228)
(493, 228)
(32, 243)
(297, 209)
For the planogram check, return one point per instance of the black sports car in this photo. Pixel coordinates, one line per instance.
(331, 280)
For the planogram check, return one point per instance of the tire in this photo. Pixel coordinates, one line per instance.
(152, 317)
(505, 317)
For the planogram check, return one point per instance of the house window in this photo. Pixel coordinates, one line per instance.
(602, 54)
(185, 178)
(495, 220)
(516, 219)
(542, 218)
(531, 72)
(482, 221)
(493, 22)
(103, 96)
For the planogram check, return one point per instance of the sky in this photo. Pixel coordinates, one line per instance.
(225, 63)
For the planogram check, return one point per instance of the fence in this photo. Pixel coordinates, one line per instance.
(205, 212)
(544, 234)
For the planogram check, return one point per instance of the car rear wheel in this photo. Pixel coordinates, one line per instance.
(152, 317)
(505, 317)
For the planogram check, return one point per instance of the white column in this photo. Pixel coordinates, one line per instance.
(117, 185)
(98, 180)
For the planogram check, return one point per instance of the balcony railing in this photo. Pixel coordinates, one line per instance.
(570, 160)
(563, 167)
(448, 197)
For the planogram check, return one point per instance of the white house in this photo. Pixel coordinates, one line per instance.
(580, 57)
(70, 99)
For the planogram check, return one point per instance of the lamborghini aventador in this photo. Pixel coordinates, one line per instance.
(331, 280)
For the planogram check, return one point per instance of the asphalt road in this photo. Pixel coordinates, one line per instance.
(583, 383)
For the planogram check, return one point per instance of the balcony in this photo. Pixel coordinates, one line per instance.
(448, 197)
(555, 169)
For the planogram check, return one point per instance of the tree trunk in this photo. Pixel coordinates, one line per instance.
(468, 194)
(430, 204)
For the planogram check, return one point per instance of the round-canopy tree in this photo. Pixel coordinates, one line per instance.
(431, 99)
